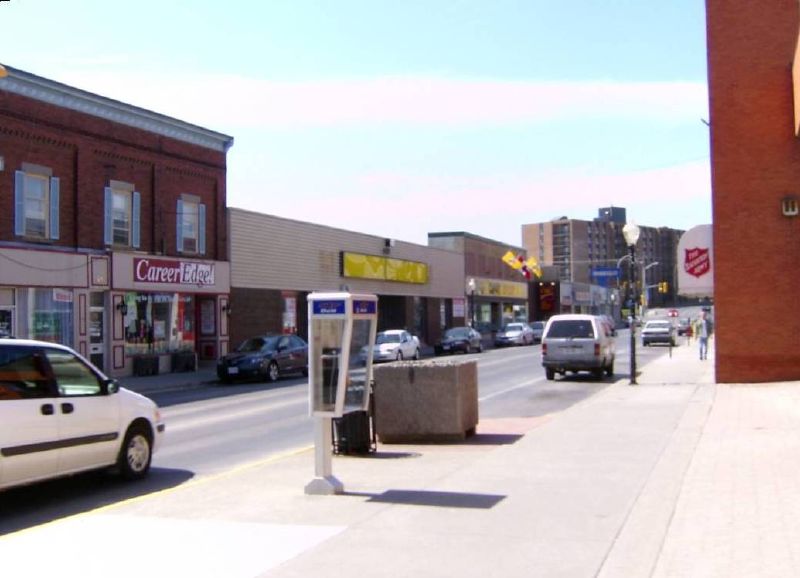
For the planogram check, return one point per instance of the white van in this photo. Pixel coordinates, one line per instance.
(577, 342)
(60, 415)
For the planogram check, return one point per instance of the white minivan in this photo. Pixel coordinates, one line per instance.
(578, 342)
(60, 415)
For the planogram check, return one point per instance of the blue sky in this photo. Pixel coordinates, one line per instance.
(402, 118)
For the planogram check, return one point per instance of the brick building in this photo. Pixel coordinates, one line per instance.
(112, 227)
(755, 156)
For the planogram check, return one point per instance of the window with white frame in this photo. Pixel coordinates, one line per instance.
(36, 201)
(191, 225)
(122, 215)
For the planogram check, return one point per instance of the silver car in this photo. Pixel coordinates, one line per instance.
(578, 342)
(517, 333)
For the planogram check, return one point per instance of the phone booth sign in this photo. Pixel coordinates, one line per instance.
(341, 327)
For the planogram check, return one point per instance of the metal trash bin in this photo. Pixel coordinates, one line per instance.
(353, 433)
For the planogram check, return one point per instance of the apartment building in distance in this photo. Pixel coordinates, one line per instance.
(593, 252)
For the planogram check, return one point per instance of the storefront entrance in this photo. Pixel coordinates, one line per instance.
(97, 343)
(6, 321)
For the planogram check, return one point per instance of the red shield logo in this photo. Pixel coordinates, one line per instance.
(697, 262)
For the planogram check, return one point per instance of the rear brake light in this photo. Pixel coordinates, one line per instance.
(597, 349)
(544, 349)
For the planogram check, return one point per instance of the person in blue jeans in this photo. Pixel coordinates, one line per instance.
(703, 330)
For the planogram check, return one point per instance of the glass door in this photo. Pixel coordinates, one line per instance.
(97, 345)
(6, 321)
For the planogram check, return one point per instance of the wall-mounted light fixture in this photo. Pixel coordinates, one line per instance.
(790, 206)
(122, 307)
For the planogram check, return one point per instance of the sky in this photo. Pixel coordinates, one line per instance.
(400, 118)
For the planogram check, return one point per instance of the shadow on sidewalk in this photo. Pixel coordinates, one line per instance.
(44, 502)
(433, 498)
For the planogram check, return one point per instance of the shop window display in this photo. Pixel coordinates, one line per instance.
(51, 315)
(159, 323)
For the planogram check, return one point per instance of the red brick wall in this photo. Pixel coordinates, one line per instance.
(755, 163)
(86, 152)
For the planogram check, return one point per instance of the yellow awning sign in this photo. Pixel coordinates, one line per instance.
(362, 266)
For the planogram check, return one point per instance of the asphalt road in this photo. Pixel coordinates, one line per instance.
(217, 427)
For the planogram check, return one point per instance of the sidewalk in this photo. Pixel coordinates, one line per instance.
(675, 477)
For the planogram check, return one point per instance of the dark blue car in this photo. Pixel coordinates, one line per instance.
(266, 357)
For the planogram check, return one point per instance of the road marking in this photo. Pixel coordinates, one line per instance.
(512, 388)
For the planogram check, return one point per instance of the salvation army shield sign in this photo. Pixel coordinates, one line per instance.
(696, 261)
(695, 256)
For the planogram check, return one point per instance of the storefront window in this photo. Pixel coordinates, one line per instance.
(159, 323)
(51, 316)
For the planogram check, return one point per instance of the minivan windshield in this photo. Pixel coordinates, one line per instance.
(571, 328)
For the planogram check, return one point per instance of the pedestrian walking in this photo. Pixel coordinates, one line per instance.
(703, 330)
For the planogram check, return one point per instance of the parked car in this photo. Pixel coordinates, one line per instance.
(393, 345)
(516, 333)
(464, 339)
(267, 357)
(61, 415)
(577, 342)
(537, 328)
(658, 331)
(684, 326)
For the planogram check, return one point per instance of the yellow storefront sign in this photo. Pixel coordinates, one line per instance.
(509, 289)
(362, 266)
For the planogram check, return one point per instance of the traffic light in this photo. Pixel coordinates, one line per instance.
(663, 287)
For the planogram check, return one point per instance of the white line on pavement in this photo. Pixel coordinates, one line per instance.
(512, 388)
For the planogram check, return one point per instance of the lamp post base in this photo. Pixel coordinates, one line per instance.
(325, 486)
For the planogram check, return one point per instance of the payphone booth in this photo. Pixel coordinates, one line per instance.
(341, 327)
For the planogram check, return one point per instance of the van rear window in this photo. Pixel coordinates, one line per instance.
(575, 328)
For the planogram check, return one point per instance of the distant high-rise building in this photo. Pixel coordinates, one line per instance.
(590, 251)
(612, 215)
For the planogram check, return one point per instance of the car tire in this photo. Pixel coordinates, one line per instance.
(416, 354)
(597, 373)
(550, 374)
(480, 348)
(273, 373)
(136, 452)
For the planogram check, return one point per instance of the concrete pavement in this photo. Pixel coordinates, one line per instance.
(674, 477)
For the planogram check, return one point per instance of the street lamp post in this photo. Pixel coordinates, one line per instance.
(631, 233)
(472, 285)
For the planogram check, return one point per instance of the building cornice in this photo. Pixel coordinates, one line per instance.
(51, 92)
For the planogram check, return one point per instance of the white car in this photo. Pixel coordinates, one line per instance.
(577, 342)
(659, 331)
(60, 415)
(394, 345)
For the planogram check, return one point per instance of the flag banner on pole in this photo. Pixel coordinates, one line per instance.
(518, 263)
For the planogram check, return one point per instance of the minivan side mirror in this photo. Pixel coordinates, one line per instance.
(111, 386)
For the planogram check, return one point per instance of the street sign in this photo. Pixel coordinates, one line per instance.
(604, 275)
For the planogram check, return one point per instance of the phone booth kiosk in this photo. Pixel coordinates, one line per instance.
(341, 327)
